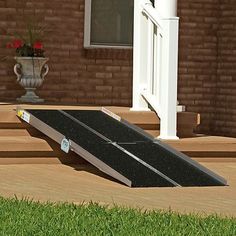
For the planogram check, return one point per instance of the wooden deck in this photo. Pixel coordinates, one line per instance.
(26, 155)
(20, 143)
(79, 184)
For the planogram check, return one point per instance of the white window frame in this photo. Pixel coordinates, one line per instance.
(87, 30)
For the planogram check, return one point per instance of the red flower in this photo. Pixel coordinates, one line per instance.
(38, 45)
(17, 43)
(9, 45)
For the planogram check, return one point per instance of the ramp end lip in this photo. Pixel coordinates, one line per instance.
(221, 180)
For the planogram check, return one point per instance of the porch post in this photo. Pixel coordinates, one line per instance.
(168, 124)
(167, 8)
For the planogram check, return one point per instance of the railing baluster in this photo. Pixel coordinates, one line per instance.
(139, 56)
(159, 65)
(150, 57)
(155, 68)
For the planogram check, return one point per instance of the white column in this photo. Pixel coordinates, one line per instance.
(168, 125)
(167, 8)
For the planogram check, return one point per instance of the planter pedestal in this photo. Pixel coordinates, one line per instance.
(30, 97)
(30, 73)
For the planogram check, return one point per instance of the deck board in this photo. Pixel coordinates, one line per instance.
(84, 184)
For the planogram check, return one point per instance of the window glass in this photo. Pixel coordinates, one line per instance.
(112, 22)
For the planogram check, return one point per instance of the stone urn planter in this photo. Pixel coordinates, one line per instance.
(30, 72)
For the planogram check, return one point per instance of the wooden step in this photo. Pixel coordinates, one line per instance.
(206, 147)
(143, 119)
(13, 132)
(154, 133)
(146, 120)
(9, 120)
(27, 149)
(29, 131)
(21, 143)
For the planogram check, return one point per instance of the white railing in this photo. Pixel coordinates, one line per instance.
(155, 63)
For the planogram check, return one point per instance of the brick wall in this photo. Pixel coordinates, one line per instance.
(198, 58)
(104, 76)
(225, 116)
(207, 60)
(76, 75)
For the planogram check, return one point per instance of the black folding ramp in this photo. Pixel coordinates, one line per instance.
(119, 148)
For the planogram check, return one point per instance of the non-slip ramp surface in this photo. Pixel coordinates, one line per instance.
(121, 150)
(109, 127)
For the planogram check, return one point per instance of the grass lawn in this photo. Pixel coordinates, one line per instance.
(24, 217)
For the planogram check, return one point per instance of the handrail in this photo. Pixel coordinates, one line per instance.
(152, 14)
(155, 65)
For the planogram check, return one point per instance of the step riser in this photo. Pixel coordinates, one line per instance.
(210, 154)
(154, 127)
(217, 159)
(22, 125)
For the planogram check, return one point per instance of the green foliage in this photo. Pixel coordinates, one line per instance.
(27, 40)
(25, 217)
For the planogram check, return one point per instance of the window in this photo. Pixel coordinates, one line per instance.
(108, 23)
